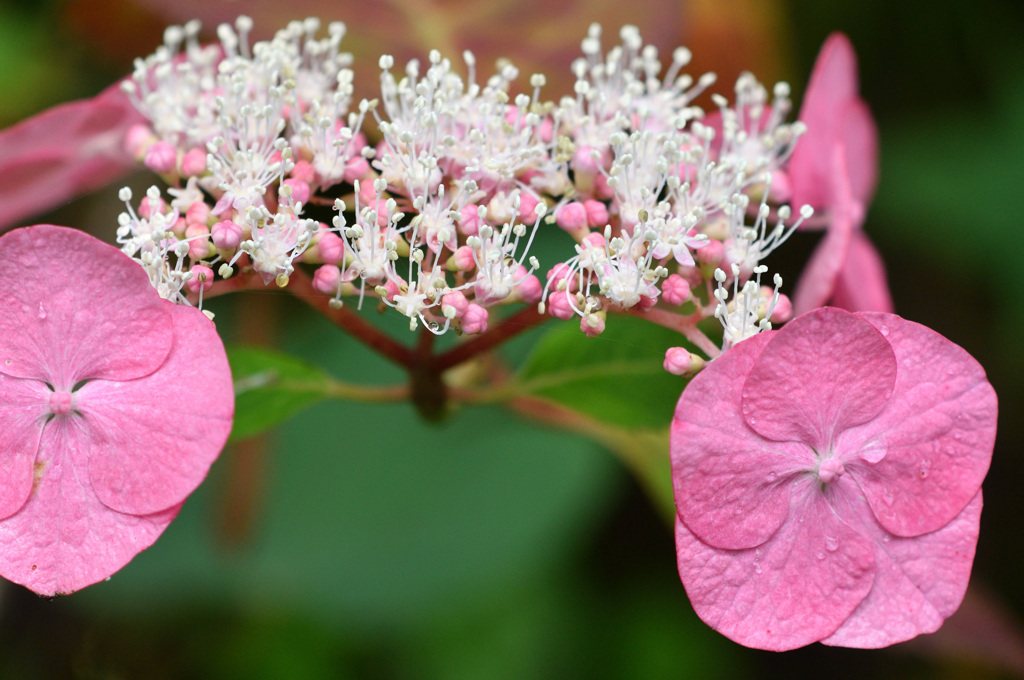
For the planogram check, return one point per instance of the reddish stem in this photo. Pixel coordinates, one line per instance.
(421, 359)
(301, 286)
(687, 325)
(508, 328)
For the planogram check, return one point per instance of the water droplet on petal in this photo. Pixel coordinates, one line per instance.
(831, 543)
(884, 330)
(9, 362)
(41, 313)
(772, 476)
(821, 555)
(757, 568)
(885, 538)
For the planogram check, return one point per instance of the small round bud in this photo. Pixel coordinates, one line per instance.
(226, 235)
(327, 278)
(193, 162)
(675, 290)
(201, 278)
(572, 216)
(474, 320)
(161, 157)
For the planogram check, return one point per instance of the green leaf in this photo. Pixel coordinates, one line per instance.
(617, 377)
(272, 386)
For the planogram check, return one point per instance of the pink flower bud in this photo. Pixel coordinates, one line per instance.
(527, 204)
(601, 188)
(193, 162)
(197, 213)
(463, 259)
(457, 300)
(692, 275)
(675, 290)
(597, 213)
(161, 157)
(595, 239)
(303, 171)
(783, 311)
(561, 272)
(367, 194)
(592, 325)
(202, 278)
(198, 241)
(300, 190)
(226, 235)
(470, 222)
(326, 279)
(179, 227)
(782, 188)
(474, 320)
(331, 247)
(583, 161)
(712, 253)
(392, 288)
(559, 305)
(677, 360)
(529, 288)
(148, 207)
(357, 168)
(572, 216)
(546, 130)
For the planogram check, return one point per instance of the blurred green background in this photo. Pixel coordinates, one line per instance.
(359, 542)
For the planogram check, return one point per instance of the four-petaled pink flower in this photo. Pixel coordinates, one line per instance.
(834, 168)
(828, 481)
(113, 403)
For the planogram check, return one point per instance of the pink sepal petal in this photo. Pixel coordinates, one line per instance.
(795, 589)
(64, 539)
(818, 280)
(832, 87)
(861, 285)
(64, 152)
(153, 439)
(919, 582)
(729, 486)
(47, 333)
(23, 415)
(809, 385)
(925, 455)
(860, 137)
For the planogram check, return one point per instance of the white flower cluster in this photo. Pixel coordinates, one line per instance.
(271, 171)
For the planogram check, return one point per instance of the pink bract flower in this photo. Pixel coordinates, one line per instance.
(113, 404)
(828, 481)
(64, 152)
(835, 168)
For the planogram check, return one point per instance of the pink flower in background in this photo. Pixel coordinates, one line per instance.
(63, 153)
(113, 404)
(835, 168)
(827, 479)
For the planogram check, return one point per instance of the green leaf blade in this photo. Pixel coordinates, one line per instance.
(270, 387)
(617, 377)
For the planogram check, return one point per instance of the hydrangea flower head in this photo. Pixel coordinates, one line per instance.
(828, 481)
(113, 402)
